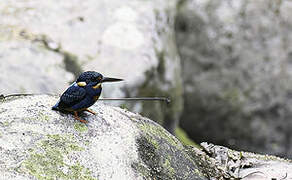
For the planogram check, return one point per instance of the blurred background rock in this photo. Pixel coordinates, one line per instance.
(236, 63)
(226, 64)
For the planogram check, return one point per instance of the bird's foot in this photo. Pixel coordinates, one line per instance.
(78, 118)
(82, 120)
(92, 112)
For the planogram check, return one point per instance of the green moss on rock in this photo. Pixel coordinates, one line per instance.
(46, 161)
(151, 129)
(183, 137)
(43, 117)
(158, 151)
(167, 166)
(40, 116)
(80, 127)
(151, 158)
(5, 123)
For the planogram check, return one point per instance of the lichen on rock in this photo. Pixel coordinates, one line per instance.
(114, 144)
(48, 159)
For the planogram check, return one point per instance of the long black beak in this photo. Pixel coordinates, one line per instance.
(108, 79)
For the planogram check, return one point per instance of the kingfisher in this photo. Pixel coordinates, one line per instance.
(82, 94)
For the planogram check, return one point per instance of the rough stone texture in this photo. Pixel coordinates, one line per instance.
(218, 162)
(38, 143)
(133, 40)
(236, 58)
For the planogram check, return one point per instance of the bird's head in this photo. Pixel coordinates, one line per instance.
(94, 79)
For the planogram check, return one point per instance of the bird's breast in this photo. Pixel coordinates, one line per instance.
(95, 98)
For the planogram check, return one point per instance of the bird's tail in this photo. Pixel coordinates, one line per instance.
(56, 107)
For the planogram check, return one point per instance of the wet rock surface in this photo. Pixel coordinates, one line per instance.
(236, 63)
(37, 142)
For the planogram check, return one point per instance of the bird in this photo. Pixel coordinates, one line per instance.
(82, 94)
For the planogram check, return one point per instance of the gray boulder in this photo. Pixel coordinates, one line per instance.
(218, 162)
(236, 63)
(39, 143)
(133, 40)
(27, 67)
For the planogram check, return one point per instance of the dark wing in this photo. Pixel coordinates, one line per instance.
(73, 95)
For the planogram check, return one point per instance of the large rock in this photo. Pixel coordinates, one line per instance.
(39, 143)
(237, 73)
(218, 162)
(133, 40)
(27, 67)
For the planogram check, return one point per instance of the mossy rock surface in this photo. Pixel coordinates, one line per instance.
(38, 143)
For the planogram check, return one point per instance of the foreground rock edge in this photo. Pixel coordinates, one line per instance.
(147, 149)
(36, 142)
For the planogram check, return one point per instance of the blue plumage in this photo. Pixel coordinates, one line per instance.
(82, 94)
(72, 96)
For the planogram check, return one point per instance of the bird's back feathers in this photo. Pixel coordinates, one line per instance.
(73, 95)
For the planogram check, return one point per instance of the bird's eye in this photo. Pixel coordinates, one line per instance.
(99, 78)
